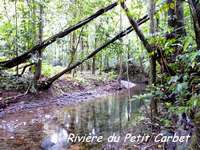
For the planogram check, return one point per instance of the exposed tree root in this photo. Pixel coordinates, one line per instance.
(9, 100)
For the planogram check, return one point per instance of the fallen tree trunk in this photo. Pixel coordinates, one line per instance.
(47, 84)
(22, 58)
(150, 49)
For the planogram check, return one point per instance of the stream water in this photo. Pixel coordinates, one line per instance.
(48, 127)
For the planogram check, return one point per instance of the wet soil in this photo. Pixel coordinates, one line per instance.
(76, 89)
(76, 95)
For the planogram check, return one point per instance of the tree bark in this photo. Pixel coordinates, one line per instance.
(22, 58)
(180, 25)
(106, 62)
(94, 58)
(195, 143)
(153, 104)
(93, 65)
(152, 32)
(176, 18)
(38, 65)
(47, 84)
(137, 30)
(82, 53)
(72, 48)
(120, 55)
(171, 13)
(16, 36)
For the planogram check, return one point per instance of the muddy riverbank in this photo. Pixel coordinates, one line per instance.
(73, 97)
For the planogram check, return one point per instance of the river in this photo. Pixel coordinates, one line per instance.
(48, 127)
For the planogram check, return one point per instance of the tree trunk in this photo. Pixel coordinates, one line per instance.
(82, 53)
(141, 64)
(72, 48)
(93, 65)
(195, 144)
(120, 68)
(100, 64)
(176, 18)
(153, 105)
(38, 66)
(120, 55)
(16, 36)
(106, 62)
(180, 25)
(171, 13)
(152, 32)
(94, 58)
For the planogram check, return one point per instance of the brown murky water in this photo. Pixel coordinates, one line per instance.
(48, 128)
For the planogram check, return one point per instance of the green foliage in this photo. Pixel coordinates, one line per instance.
(165, 122)
(10, 82)
(190, 60)
(143, 97)
(194, 101)
(49, 70)
(2, 58)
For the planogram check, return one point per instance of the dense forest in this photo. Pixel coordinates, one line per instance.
(67, 53)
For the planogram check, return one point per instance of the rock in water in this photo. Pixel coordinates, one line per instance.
(55, 141)
(47, 143)
(127, 84)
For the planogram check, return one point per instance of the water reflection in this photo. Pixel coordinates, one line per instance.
(104, 116)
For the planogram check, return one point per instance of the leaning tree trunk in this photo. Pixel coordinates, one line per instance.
(144, 41)
(47, 84)
(22, 58)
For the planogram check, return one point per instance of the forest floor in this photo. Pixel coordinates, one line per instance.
(76, 89)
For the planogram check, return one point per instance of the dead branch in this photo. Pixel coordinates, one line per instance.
(24, 68)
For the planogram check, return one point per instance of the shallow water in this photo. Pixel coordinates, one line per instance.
(49, 127)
